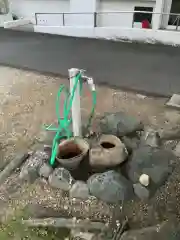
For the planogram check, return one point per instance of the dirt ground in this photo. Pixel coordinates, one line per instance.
(27, 101)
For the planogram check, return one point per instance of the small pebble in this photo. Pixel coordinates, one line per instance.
(65, 207)
(144, 179)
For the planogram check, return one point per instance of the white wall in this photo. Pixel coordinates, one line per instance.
(161, 21)
(81, 13)
(82, 6)
(21, 25)
(28, 8)
(157, 18)
(119, 34)
(119, 19)
(4, 18)
(50, 19)
(166, 9)
(82, 19)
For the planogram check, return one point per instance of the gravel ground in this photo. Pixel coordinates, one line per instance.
(27, 101)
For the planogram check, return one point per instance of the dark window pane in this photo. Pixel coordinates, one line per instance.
(139, 17)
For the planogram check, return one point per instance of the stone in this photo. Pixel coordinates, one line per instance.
(76, 234)
(45, 170)
(144, 179)
(110, 187)
(119, 124)
(171, 144)
(170, 134)
(166, 231)
(61, 178)
(13, 165)
(174, 101)
(141, 96)
(172, 116)
(141, 191)
(155, 162)
(30, 169)
(159, 174)
(79, 190)
(177, 150)
(109, 152)
(130, 143)
(151, 138)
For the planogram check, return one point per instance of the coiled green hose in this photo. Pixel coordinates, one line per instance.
(63, 129)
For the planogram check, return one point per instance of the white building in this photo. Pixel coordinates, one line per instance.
(112, 19)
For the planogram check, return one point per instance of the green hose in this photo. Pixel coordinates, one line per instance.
(63, 129)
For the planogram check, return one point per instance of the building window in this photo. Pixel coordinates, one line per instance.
(139, 17)
(3, 7)
(175, 8)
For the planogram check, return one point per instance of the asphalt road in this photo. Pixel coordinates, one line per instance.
(153, 69)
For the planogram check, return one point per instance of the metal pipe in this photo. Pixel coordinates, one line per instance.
(36, 18)
(177, 25)
(69, 13)
(76, 109)
(63, 20)
(95, 19)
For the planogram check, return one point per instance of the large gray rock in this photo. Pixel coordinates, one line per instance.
(141, 191)
(79, 190)
(45, 170)
(154, 162)
(165, 231)
(130, 143)
(174, 101)
(30, 169)
(119, 124)
(110, 187)
(61, 178)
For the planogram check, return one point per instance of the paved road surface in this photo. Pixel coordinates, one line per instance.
(148, 68)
